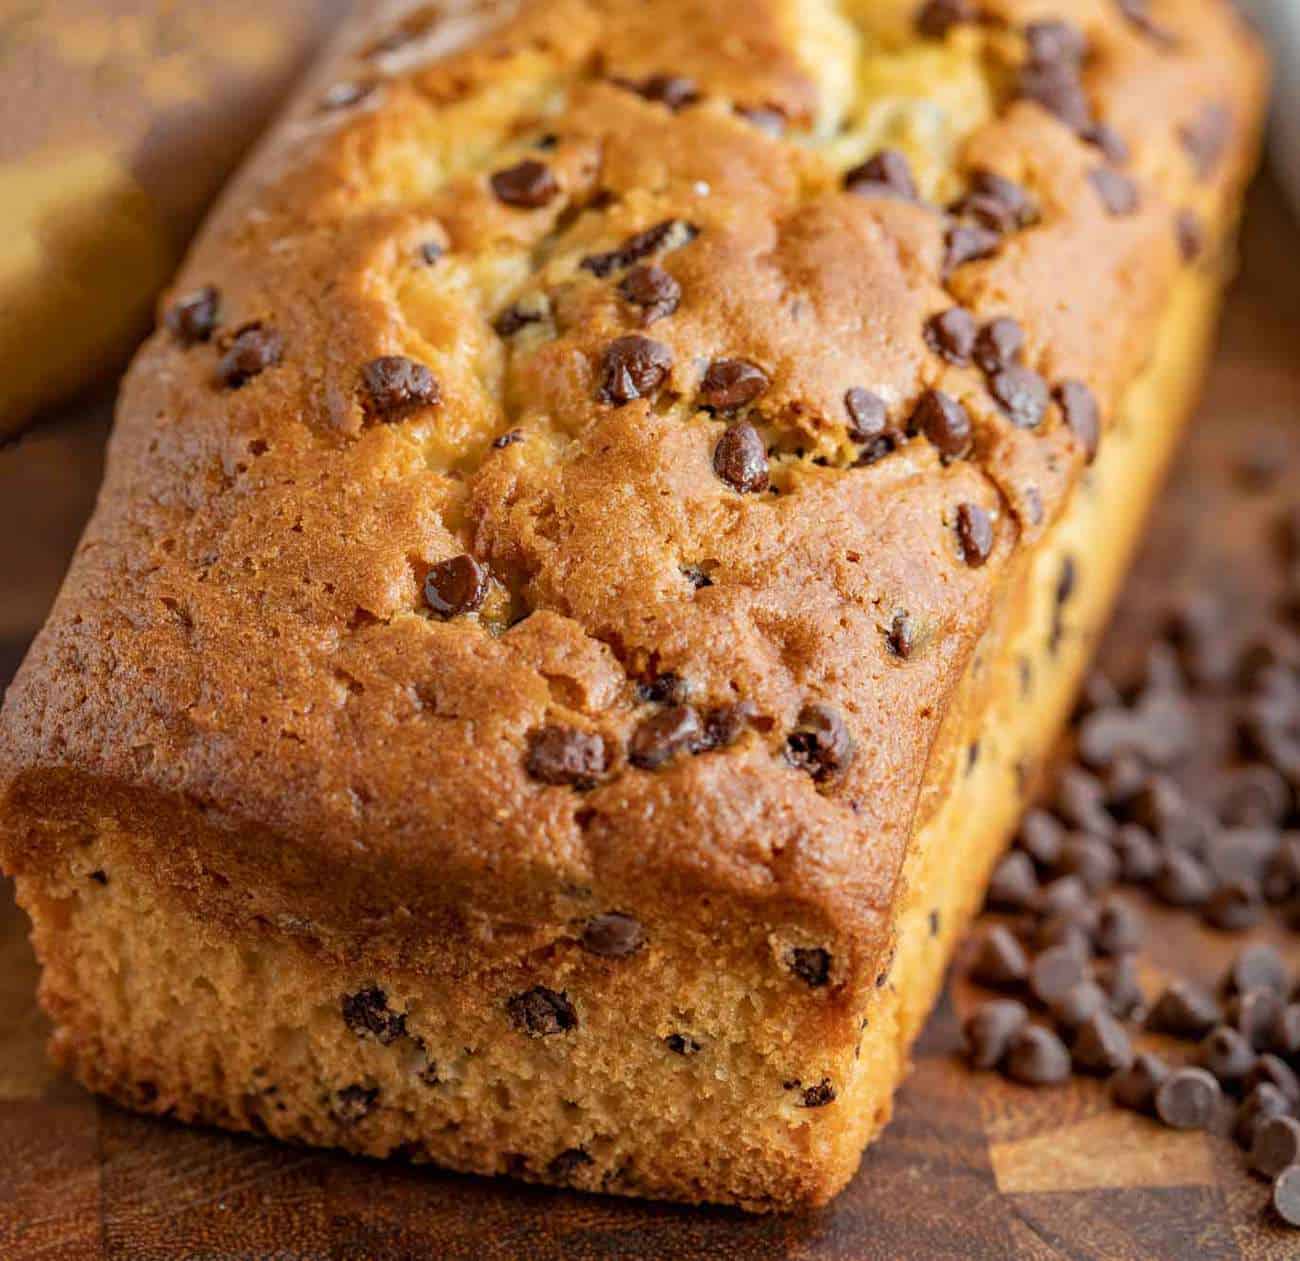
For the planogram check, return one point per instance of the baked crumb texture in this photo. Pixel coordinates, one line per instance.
(592, 557)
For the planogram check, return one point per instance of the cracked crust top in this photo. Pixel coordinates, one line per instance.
(602, 443)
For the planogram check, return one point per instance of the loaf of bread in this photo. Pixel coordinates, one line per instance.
(612, 517)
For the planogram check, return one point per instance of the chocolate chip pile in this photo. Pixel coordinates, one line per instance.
(1135, 805)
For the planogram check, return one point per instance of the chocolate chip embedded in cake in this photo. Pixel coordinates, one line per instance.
(253, 349)
(396, 385)
(528, 185)
(193, 318)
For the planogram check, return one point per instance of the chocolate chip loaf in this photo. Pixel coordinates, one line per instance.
(609, 524)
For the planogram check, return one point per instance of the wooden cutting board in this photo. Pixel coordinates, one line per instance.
(971, 1167)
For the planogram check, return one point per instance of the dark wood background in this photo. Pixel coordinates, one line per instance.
(971, 1167)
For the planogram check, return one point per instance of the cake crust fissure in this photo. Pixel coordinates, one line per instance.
(568, 559)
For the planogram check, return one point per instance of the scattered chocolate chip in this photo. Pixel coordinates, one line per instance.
(1257, 966)
(1188, 1099)
(1251, 796)
(669, 234)
(731, 383)
(999, 344)
(1000, 959)
(1079, 407)
(725, 724)
(1253, 1014)
(633, 367)
(1067, 895)
(1119, 978)
(951, 335)
(1189, 231)
(252, 350)
(1235, 906)
(811, 964)
(395, 385)
(996, 203)
(1078, 1004)
(668, 688)
(1135, 1086)
(1104, 137)
(901, 636)
(566, 756)
(676, 91)
(1227, 1053)
(968, 243)
(661, 737)
(612, 935)
(1271, 1071)
(1041, 837)
(740, 459)
(1037, 1057)
(820, 744)
(455, 586)
(527, 185)
(1284, 1036)
(1054, 972)
(867, 414)
(1021, 393)
(541, 1012)
(1080, 800)
(653, 290)
(1182, 879)
(514, 318)
(1276, 1145)
(1206, 138)
(887, 174)
(99, 876)
(1260, 1103)
(353, 1103)
(1101, 1045)
(1095, 863)
(1138, 854)
(1184, 1010)
(1286, 1195)
(1055, 43)
(1120, 928)
(944, 423)
(681, 1044)
(974, 534)
(936, 18)
(1118, 193)
(193, 318)
(1013, 885)
(367, 1014)
(697, 576)
(1065, 930)
(1051, 75)
(989, 1030)
(818, 1096)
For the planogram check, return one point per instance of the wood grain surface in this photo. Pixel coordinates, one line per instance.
(971, 1167)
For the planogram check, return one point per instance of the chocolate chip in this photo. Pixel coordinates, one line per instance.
(99, 876)
(1065, 930)
(968, 243)
(1182, 880)
(527, 185)
(562, 1167)
(996, 203)
(1000, 959)
(193, 318)
(1138, 854)
(811, 964)
(1101, 1045)
(1104, 137)
(668, 688)
(974, 534)
(681, 1044)
(1286, 1195)
(1021, 393)
(1235, 906)
(886, 174)
(697, 576)
(1120, 928)
(999, 344)
(353, 1103)
(669, 234)
(1013, 885)
(1251, 796)
(1055, 972)
(613, 935)
(566, 756)
(653, 290)
(368, 1015)
(1227, 1053)
(1051, 76)
(1269, 1070)
(1067, 895)
(1079, 1003)
(936, 18)
(673, 90)
(253, 349)
(989, 1030)
(1037, 1057)
(431, 251)
(1206, 138)
(1258, 966)
(1093, 861)
(867, 414)
(901, 637)
(817, 1096)
(1079, 407)
(1055, 43)
(1119, 978)
(820, 744)
(1184, 1010)
(541, 1012)
(1253, 1014)
(740, 458)
(725, 724)
(1276, 1145)
(455, 586)
(1135, 1086)
(514, 318)
(1261, 1103)
(1188, 1099)
(731, 383)
(1041, 837)
(1189, 231)
(396, 385)
(507, 439)
(1080, 800)
(1118, 193)
(944, 423)
(633, 367)
(661, 737)
(951, 335)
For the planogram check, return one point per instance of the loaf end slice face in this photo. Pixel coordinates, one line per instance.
(577, 592)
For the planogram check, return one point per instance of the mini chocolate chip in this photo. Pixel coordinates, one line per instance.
(253, 349)
(886, 174)
(820, 743)
(1184, 1010)
(951, 335)
(653, 290)
(731, 383)
(1227, 1053)
(944, 423)
(974, 534)
(1021, 393)
(193, 318)
(1101, 1045)
(541, 1012)
(367, 1014)
(1258, 966)
(1276, 1145)
(455, 586)
(811, 964)
(1188, 1099)
(740, 458)
(1235, 906)
(1285, 1196)
(395, 385)
(996, 203)
(1260, 1104)
(563, 1166)
(613, 935)
(867, 414)
(1055, 972)
(901, 637)
(1135, 1086)
(633, 367)
(566, 755)
(1182, 879)
(999, 344)
(1013, 885)
(818, 1096)
(669, 234)
(1118, 193)
(673, 90)
(1000, 959)
(989, 1030)
(1190, 233)
(661, 737)
(353, 1103)
(1206, 138)
(1037, 1057)
(968, 243)
(527, 185)
(681, 1044)
(937, 17)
